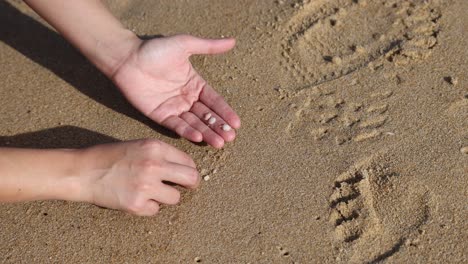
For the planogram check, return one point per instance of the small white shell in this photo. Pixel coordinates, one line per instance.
(207, 116)
(226, 127)
(206, 178)
(212, 120)
(464, 150)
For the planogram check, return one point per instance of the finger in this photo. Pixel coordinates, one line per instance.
(195, 45)
(201, 110)
(149, 208)
(183, 129)
(216, 102)
(180, 174)
(166, 194)
(173, 154)
(209, 136)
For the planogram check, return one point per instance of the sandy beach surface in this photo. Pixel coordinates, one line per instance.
(353, 149)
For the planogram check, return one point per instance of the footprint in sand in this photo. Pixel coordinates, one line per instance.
(374, 214)
(327, 39)
(457, 114)
(323, 116)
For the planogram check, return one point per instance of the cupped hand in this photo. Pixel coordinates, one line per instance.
(159, 80)
(133, 176)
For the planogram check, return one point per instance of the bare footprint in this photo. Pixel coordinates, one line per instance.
(374, 214)
(457, 114)
(329, 39)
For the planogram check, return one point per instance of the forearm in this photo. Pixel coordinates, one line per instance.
(91, 28)
(29, 174)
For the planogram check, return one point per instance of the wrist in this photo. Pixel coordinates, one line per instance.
(93, 164)
(69, 183)
(113, 50)
(91, 28)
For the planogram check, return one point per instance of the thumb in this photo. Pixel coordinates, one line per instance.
(195, 45)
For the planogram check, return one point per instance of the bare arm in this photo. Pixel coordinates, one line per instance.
(158, 79)
(155, 75)
(129, 176)
(27, 174)
(91, 28)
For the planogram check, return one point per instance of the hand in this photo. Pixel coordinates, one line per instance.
(133, 176)
(159, 80)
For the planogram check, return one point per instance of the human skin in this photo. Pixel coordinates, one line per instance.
(157, 77)
(130, 176)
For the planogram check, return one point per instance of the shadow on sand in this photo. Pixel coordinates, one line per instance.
(58, 137)
(48, 49)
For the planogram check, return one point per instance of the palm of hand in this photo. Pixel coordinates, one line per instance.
(159, 80)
